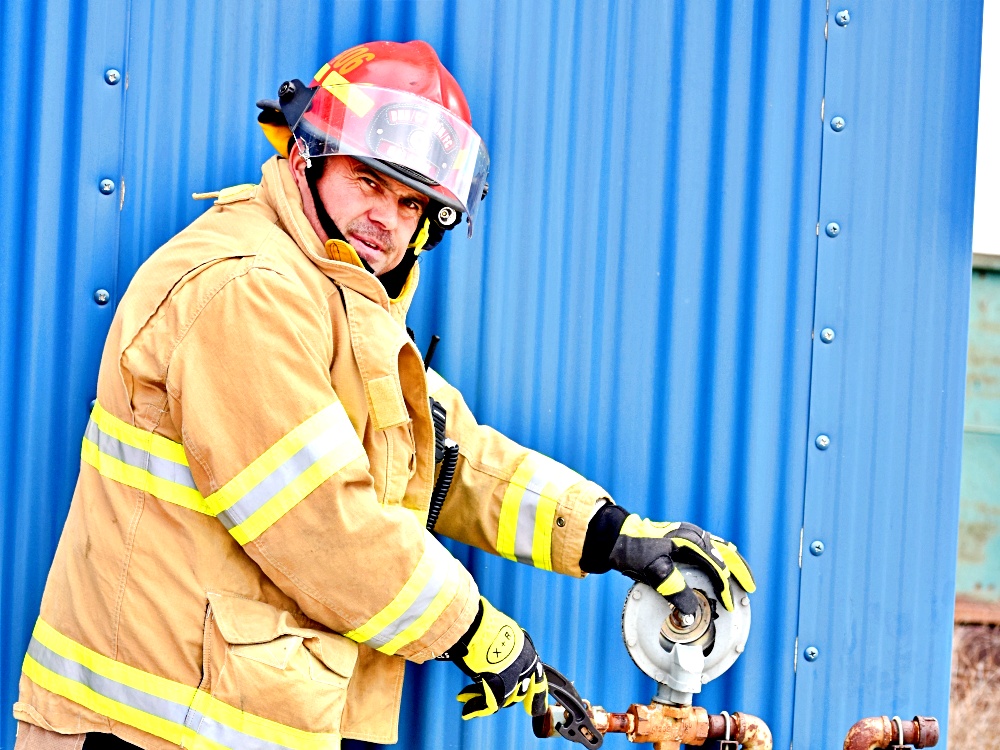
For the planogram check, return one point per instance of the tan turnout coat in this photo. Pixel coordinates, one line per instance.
(245, 562)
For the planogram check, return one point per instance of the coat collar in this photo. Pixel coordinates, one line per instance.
(337, 259)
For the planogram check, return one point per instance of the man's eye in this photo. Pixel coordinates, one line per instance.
(413, 205)
(369, 182)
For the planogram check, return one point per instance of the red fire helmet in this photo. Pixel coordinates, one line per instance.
(397, 108)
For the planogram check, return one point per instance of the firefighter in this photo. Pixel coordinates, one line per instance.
(247, 560)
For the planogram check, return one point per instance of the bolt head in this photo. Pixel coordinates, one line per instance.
(112, 76)
(447, 216)
(837, 123)
(827, 335)
(822, 442)
(636, 594)
(817, 548)
(738, 648)
(812, 653)
(745, 600)
(832, 229)
(687, 620)
(107, 186)
(286, 91)
(102, 296)
(843, 17)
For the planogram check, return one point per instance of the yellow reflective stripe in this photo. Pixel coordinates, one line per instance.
(507, 532)
(251, 502)
(423, 623)
(541, 543)
(84, 696)
(529, 508)
(258, 726)
(132, 476)
(299, 489)
(107, 667)
(402, 601)
(237, 726)
(434, 382)
(157, 445)
(350, 94)
(331, 417)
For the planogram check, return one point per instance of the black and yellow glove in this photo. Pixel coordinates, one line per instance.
(647, 551)
(501, 658)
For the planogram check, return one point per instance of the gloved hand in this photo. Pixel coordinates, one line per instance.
(501, 658)
(647, 551)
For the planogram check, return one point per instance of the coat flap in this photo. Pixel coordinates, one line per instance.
(245, 621)
(376, 339)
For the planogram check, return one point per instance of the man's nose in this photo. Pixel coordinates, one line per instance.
(383, 212)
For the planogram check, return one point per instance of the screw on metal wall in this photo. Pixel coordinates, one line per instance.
(822, 442)
(827, 335)
(107, 186)
(102, 296)
(838, 123)
(112, 76)
(832, 229)
(811, 653)
(843, 17)
(817, 548)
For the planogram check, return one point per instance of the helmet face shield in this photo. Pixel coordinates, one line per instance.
(413, 140)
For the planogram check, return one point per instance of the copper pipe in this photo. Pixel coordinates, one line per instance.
(669, 727)
(752, 733)
(881, 731)
(608, 722)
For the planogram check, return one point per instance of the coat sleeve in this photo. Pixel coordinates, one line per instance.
(509, 500)
(282, 467)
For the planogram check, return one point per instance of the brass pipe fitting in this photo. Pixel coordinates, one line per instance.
(881, 731)
(668, 727)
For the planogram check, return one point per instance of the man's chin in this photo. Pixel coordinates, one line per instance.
(374, 258)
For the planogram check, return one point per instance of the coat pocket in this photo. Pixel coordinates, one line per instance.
(258, 660)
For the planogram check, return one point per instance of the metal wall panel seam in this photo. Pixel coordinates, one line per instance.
(886, 384)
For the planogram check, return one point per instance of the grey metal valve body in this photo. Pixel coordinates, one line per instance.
(680, 654)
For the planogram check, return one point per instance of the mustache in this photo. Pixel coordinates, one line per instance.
(366, 230)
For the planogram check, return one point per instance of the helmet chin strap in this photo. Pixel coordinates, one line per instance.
(313, 172)
(392, 280)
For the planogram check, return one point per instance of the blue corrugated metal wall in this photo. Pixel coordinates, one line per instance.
(640, 303)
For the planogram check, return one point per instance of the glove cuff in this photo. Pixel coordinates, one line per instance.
(461, 647)
(602, 533)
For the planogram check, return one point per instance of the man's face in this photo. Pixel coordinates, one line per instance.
(376, 214)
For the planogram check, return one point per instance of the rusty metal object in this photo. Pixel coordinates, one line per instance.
(881, 732)
(746, 729)
(608, 722)
(668, 727)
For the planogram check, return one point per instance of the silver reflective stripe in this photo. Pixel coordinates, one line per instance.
(159, 467)
(150, 704)
(101, 685)
(525, 537)
(424, 599)
(281, 477)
